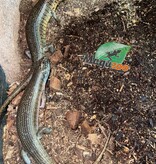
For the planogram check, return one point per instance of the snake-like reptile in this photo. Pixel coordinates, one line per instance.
(36, 28)
(35, 81)
(27, 113)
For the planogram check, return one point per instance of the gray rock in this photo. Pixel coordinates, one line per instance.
(9, 26)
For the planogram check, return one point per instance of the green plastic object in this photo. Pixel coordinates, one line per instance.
(112, 51)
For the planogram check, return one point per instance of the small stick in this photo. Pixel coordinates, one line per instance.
(104, 149)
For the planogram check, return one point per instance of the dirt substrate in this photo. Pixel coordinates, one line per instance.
(120, 107)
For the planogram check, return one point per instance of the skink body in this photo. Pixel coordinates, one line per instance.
(26, 115)
(36, 27)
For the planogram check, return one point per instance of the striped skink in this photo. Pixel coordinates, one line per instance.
(36, 27)
(27, 113)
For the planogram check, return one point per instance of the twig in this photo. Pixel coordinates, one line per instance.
(104, 149)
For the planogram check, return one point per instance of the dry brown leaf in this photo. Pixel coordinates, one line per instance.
(55, 83)
(56, 57)
(73, 118)
(94, 138)
(86, 128)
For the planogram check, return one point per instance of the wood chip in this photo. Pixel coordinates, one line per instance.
(55, 83)
(17, 99)
(56, 57)
(86, 128)
(73, 118)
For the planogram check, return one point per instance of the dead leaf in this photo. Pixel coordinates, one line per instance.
(73, 118)
(94, 138)
(56, 57)
(55, 83)
(85, 127)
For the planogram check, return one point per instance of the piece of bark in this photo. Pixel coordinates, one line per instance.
(56, 57)
(55, 83)
(73, 118)
(86, 128)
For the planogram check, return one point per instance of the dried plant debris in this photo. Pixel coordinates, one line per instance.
(118, 110)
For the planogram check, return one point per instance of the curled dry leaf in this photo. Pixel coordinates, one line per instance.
(73, 118)
(55, 83)
(56, 57)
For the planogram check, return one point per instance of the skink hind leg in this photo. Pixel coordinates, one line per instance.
(43, 131)
(25, 157)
